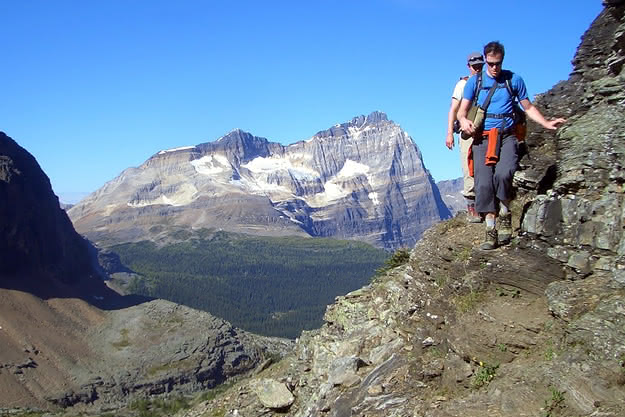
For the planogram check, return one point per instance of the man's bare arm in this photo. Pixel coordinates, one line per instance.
(535, 114)
(465, 124)
(451, 117)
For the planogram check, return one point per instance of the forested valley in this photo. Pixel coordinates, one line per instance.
(275, 286)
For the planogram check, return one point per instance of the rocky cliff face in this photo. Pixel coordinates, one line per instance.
(535, 328)
(361, 180)
(36, 236)
(577, 200)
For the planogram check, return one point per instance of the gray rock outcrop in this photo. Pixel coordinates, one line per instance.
(159, 347)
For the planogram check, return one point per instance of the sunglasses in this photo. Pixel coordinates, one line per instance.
(494, 64)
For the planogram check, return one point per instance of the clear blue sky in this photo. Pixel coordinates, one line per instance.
(93, 87)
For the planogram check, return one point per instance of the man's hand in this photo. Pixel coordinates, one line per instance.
(553, 124)
(449, 142)
(535, 114)
(467, 126)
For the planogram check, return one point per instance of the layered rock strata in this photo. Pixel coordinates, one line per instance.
(363, 180)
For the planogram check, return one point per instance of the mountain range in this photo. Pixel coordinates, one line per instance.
(364, 179)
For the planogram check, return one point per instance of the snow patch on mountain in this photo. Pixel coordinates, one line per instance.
(268, 165)
(211, 164)
(185, 194)
(352, 169)
(259, 186)
(176, 149)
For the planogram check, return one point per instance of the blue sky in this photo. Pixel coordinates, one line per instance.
(93, 87)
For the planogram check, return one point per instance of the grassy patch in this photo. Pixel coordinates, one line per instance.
(183, 364)
(123, 340)
(484, 374)
(217, 412)
(550, 351)
(399, 258)
(464, 254)
(554, 403)
(468, 302)
(451, 224)
(433, 352)
(441, 280)
(146, 407)
(211, 394)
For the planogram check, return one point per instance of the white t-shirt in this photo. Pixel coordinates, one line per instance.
(458, 89)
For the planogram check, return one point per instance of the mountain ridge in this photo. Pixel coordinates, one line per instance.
(364, 179)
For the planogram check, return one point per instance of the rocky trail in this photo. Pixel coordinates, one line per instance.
(453, 332)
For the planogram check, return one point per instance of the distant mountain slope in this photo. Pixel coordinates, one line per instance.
(362, 180)
(451, 193)
(275, 286)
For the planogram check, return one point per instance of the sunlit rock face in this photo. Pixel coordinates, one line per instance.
(576, 179)
(363, 180)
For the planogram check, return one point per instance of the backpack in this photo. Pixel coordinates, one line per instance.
(519, 116)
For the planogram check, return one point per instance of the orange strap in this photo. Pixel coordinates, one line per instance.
(470, 161)
(491, 149)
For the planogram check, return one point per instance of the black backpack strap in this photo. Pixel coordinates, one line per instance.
(507, 79)
(499, 115)
(490, 95)
(509, 87)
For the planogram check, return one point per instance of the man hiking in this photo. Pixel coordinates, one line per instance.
(495, 143)
(475, 62)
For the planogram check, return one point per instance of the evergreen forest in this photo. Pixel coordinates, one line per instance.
(274, 286)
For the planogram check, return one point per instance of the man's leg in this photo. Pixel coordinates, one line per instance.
(483, 179)
(504, 173)
(484, 192)
(468, 190)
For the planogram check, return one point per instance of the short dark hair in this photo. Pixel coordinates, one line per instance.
(494, 47)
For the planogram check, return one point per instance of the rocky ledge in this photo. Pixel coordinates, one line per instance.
(454, 332)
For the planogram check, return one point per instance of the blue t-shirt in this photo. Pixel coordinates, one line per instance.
(501, 102)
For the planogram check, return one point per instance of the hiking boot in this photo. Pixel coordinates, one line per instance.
(472, 215)
(491, 239)
(504, 228)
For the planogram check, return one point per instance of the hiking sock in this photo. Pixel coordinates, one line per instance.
(503, 208)
(490, 222)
